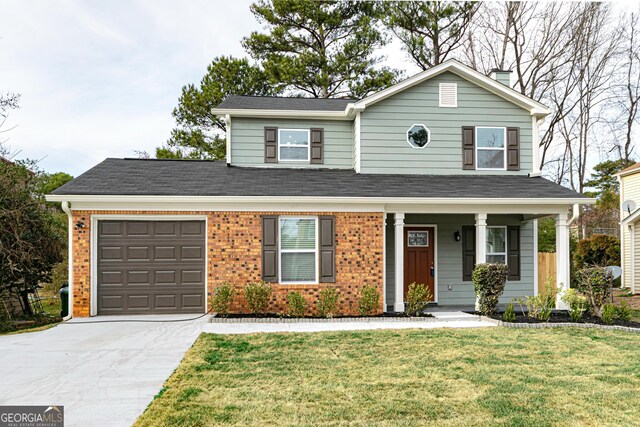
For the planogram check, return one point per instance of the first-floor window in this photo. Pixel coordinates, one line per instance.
(491, 148)
(298, 250)
(497, 245)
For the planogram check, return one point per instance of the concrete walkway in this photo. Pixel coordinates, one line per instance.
(105, 374)
(443, 320)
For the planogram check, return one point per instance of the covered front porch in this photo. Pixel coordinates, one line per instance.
(440, 245)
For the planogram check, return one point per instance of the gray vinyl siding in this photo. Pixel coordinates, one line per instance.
(449, 258)
(247, 142)
(384, 148)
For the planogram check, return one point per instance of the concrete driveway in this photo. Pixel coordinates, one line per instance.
(105, 374)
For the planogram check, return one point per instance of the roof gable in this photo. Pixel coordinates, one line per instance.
(465, 72)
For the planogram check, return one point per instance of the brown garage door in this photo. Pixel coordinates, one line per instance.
(151, 267)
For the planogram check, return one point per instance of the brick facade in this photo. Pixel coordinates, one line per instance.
(235, 256)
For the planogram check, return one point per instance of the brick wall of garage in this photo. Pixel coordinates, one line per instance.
(235, 256)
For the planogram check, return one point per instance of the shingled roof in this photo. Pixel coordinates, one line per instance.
(143, 177)
(283, 103)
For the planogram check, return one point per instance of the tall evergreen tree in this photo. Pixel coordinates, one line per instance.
(322, 49)
(199, 134)
(429, 30)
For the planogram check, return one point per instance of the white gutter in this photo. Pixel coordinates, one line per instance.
(321, 200)
(67, 210)
(311, 114)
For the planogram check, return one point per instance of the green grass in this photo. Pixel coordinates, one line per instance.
(492, 376)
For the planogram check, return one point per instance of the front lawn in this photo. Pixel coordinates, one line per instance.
(489, 376)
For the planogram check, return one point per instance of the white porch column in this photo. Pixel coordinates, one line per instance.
(563, 272)
(399, 261)
(481, 238)
(481, 243)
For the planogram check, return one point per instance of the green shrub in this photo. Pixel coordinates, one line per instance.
(540, 306)
(509, 314)
(488, 282)
(222, 299)
(328, 302)
(297, 304)
(257, 296)
(595, 284)
(577, 304)
(608, 312)
(369, 299)
(623, 312)
(599, 249)
(418, 297)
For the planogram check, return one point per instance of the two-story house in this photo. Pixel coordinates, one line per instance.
(416, 183)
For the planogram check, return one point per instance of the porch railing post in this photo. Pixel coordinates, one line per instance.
(481, 243)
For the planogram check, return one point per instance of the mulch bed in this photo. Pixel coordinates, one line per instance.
(563, 317)
(284, 316)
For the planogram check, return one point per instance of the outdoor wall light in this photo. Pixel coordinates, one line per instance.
(456, 236)
(79, 224)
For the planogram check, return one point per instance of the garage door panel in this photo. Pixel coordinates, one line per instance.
(138, 228)
(111, 253)
(191, 253)
(164, 301)
(164, 253)
(110, 228)
(166, 277)
(111, 277)
(111, 302)
(153, 266)
(193, 228)
(138, 277)
(191, 277)
(138, 253)
(192, 300)
(140, 301)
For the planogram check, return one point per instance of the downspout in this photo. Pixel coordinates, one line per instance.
(576, 214)
(67, 210)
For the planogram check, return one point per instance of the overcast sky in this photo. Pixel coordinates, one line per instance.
(100, 78)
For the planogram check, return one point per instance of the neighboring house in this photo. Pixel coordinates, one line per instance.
(629, 180)
(416, 183)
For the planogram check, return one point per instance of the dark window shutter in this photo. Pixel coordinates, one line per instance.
(468, 147)
(513, 149)
(271, 145)
(327, 248)
(270, 248)
(513, 248)
(317, 146)
(468, 251)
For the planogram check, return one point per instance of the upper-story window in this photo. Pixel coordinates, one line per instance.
(491, 153)
(418, 136)
(293, 145)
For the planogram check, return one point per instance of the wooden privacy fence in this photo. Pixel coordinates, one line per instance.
(546, 269)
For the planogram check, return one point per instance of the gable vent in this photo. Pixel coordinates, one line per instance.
(448, 95)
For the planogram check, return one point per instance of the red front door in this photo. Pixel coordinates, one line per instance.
(419, 257)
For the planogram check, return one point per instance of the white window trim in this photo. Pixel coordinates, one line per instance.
(314, 251)
(506, 240)
(504, 149)
(428, 136)
(280, 145)
(440, 104)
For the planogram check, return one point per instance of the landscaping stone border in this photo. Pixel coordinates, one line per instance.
(559, 325)
(215, 319)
